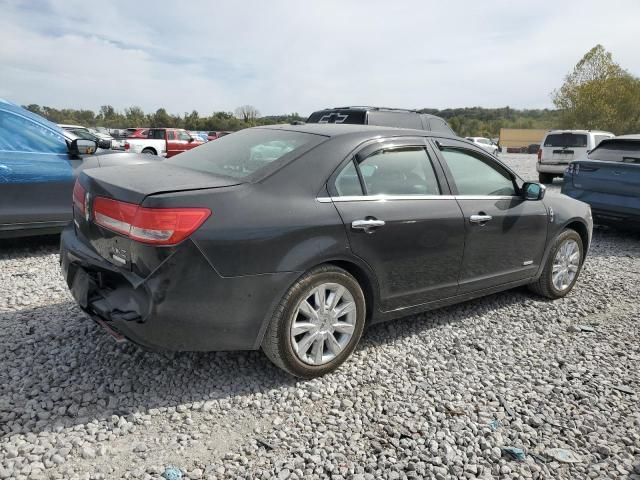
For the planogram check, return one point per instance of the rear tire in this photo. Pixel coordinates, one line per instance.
(545, 178)
(552, 282)
(304, 337)
(149, 151)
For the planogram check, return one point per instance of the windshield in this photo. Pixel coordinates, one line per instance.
(568, 140)
(247, 152)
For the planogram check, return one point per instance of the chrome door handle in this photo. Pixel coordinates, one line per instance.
(367, 224)
(480, 218)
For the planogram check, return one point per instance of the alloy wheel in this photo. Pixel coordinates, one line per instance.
(565, 265)
(323, 324)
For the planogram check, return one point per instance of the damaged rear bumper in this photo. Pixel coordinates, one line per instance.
(183, 305)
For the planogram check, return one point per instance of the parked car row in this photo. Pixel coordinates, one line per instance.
(164, 142)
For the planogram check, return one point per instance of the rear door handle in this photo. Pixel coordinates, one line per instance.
(367, 224)
(480, 218)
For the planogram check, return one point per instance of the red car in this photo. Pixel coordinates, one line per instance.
(216, 135)
(165, 142)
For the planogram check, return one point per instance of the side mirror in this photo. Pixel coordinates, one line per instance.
(105, 144)
(80, 146)
(191, 139)
(533, 191)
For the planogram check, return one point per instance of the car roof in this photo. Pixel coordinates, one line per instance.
(338, 129)
(579, 131)
(64, 125)
(634, 136)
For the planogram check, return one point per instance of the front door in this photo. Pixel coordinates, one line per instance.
(505, 234)
(401, 221)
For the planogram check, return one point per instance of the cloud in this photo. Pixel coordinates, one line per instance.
(284, 56)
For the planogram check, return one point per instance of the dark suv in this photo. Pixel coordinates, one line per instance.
(384, 117)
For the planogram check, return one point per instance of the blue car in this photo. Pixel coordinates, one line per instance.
(38, 165)
(609, 180)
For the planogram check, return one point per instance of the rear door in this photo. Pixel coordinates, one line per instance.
(173, 144)
(505, 235)
(36, 174)
(402, 221)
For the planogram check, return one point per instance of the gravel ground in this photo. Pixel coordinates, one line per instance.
(439, 395)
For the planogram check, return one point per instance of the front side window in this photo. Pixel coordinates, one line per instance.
(183, 136)
(475, 175)
(18, 134)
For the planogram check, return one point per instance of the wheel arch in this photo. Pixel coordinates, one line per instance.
(582, 230)
(155, 152)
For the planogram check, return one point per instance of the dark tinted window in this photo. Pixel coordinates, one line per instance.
(156, 134)
(338, 116)
(475, 175)
(246, 152)
(617, 151)
(566, 140)
(399, 171)
(395, 119)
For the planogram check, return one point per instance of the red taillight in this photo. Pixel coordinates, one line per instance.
(159, 226)
(539, 154)
(78, 197)
(127, 146)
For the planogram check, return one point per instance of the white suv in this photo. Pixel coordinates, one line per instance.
(561, 147)
(484, 143)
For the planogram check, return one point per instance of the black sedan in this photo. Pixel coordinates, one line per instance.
(293, 238)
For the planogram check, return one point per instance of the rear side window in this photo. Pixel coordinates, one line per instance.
(569, 140)
(617, 151)
(338, 116)
(399, 171)
(475, 175)
(395, 119)
(395, 171)
(156, 134)
(18, 134)
(247, 152)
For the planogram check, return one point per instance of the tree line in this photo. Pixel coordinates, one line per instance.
(597, 94)
(109, 117)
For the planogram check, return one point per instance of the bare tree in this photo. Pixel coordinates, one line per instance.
(247, 113)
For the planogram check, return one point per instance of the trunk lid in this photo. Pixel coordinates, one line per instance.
(616, 178)
(132, 184)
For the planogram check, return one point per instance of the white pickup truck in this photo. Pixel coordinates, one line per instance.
(165, 142)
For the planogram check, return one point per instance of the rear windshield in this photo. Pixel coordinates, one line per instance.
(617, 151)
(565, 140)
(247, 152)
(340, 116)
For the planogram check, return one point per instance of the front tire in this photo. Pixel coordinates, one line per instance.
(318, 323)
(562, 267)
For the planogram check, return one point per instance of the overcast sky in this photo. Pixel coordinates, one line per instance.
(296, 56)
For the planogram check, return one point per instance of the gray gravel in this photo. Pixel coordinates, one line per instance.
(439, 395)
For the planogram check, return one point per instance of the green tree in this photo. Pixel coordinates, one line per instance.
(599, 94)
